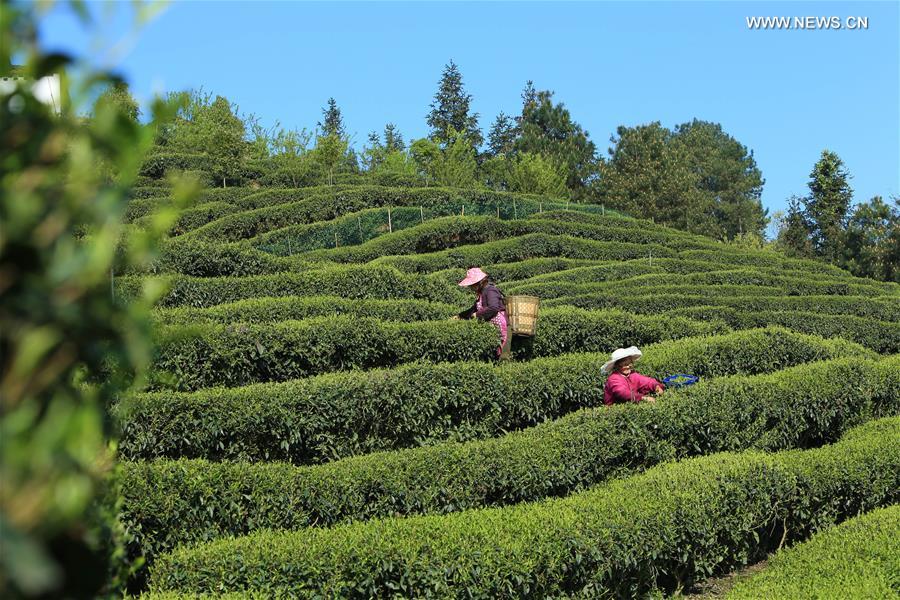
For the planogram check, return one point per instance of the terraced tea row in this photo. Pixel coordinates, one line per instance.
(627, 538)
(856, 559)
(172, 502)
(331, 416)
(206, 354)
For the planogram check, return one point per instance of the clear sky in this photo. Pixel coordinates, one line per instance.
(785, 94)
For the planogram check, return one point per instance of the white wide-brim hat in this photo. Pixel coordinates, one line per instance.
(618, 355)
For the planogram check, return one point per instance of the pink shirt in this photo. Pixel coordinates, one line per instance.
(633, 388)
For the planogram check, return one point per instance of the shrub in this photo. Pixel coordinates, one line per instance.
(516, 249)
(172, 502)
(450, 232)
(352, 282)
(268, 310)
(159, 164)
(199, 258)
(204, 355)
(563, 330)
(660, 530)
(881, 336)
(331, 416)
(856, 559)
(328, 203)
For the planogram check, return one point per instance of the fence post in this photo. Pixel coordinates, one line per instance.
(498, 210)
(541, 208)
(422, 213)
(515, 211)
(603, 209)
(567, 204)
(464, 210)
(335, 239)
(390, 225)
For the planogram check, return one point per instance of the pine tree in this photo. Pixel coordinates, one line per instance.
(393, 139)
(547, 129)
(332, 123)
(502, 138)
(827, 204)
(727, 172)
(450, 110)
(793, 236)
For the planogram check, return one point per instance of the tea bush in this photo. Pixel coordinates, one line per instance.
(856, 559)
(330, 416)
(172, 502)
(660, 530)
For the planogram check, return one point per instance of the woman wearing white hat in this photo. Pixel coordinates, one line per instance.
(488, 304)
(624, 384)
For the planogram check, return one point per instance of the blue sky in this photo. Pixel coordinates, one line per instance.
(785, 94)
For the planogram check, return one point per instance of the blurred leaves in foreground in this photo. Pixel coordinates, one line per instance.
(66, 347)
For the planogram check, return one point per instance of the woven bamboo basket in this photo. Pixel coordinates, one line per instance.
(523, 314)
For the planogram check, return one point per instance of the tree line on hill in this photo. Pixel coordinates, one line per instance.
(695, 177)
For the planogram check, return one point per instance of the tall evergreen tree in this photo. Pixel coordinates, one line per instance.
(393, 139)
(793, 235)
(871, 245)
(332, 122)
(650, 177)
(827, 204)
(502, 137)
(727, 172)
(548, 129)
(450, 110)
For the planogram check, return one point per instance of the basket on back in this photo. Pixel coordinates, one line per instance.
(522, 312)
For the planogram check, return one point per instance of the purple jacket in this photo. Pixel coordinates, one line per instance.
(491, 304)
(633, 388)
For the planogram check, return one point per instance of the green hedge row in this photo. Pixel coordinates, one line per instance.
(512, 271)
(657, 531)
(363, 235)
(142, 207)
(562, 330)
(172, 502)
(328, 205)
(715, 283)
(352, 282)
(857, 559)
(881, 336)
(729, 300)
(204, 355)
(201, 258)
(268, 310)
(344, 414)
(198, 355)
(157, 165)
(451, 232)
(793, 284)
(762, 258)
(197, 216)
(535, 245)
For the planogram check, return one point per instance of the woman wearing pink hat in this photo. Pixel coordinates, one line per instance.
(624, 383)
(488, 304)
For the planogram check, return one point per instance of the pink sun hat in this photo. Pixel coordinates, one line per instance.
(473, 276)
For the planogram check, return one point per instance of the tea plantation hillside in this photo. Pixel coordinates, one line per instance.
(316, 425)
